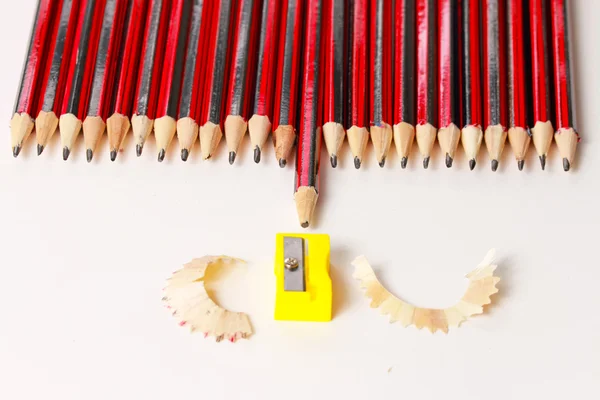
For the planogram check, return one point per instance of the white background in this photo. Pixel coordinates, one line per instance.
(85, 250)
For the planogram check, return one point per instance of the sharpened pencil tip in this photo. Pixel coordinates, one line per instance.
(138, 149)
(449, 161)
(304, 224)
(494, 165)
(40, 149)
(89, 154)
(231, 157)
(566, 164)
(404, 162)
(257, 154)
(66, 153)
(185, 153)
(426, 162)
(113, 155)
(282, 162)
(521, 164)
(161, 155)
(472, 164)
(16, 151)
(333, 160)
(382, 162)
(543, 161)
(357, 162)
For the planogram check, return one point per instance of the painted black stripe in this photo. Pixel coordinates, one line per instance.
(568, 64)
(511, 60)
(338, 73)
(185, 101)
(216, 95)
(313, 168)
(241, 64)
(82, 50)
(546, 29)
(57, 58)
(347, 60)
(147, 66)
(173, 102)
(261, 55)
(101, 57)
(409, 89)
(454, 64)
(493, 55)
(26, 62)
(284, 112)
(467, 78)
(528, 67)
(431, 62)
(378, 67)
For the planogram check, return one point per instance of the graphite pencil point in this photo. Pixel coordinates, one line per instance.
(16, 150)
(282, 162)
(404, 162)
(89, 154)
(566, 164)
(357, 162)
(257, 154)
(113, 155)
(304, 224)
(382, 162)
(138, 149)
(449, 161)
(40, 149)
(494, 165)
(520, 164)
(66, 153)
(333, 160)
(426, 162)
(161, 155)
(543, 161)
(185, 153)
(472, 164)
(232, 155)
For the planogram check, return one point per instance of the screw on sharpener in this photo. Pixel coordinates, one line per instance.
(293, 275)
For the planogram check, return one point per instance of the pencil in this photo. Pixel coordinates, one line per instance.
(471, 134)
(518, 129)
(541, 77)
(494, 78)
(101, 94)
(145, 99)
(449, 95)
(118, 124)
(21, 124)
(381, 78)
(167, 108)
(333, 70)
(193, 78)
(286, 87)
(566, 136)
(259, 125)
(405, 113)
(81, 71)
(358, 120)
(216, 65)
(426, 78)
(55, 75)
(242, 72)
(309, 139)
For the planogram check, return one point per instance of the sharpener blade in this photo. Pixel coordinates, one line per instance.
(293, 279)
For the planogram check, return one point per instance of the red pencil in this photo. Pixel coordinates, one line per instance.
(309, 138)
(566, 136)
(286, 87)
(26, 105)
(333, 74)
(259, 125)
(426, 78)
(358, 121)
(541, 77)
(118, 124)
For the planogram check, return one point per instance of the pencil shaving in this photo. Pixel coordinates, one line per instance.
(186, 296)
(481, 286)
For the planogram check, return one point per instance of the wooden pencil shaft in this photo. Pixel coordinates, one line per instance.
(334, 66)
(449, 101)
(404, 62)
(517, 66)
(562, 67)
(472, 90)
(426, 62)
(381, 59)
(359, 68)
(494, 67)
(267, 57)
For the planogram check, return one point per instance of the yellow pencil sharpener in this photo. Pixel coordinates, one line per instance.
(303, 291)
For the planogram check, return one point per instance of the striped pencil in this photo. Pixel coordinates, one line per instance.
(26, 105)
(541, 77)
(358, 119)
(167, 108)
(494, 78)
(518, 129)
(405, 113)
(566, 136)
(471, 135)
(426, 78)
(101, 94)
(216, 65)
(381, 78)
(241, 74)
(449, 95)
(193, 78)
(259, 125)
(55, 76)
(118, 124)
(286, 87)
(146, 94)
(309, 138)
(333, 70)
(81, 72)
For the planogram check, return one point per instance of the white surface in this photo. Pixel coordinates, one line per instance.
(86, 249)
